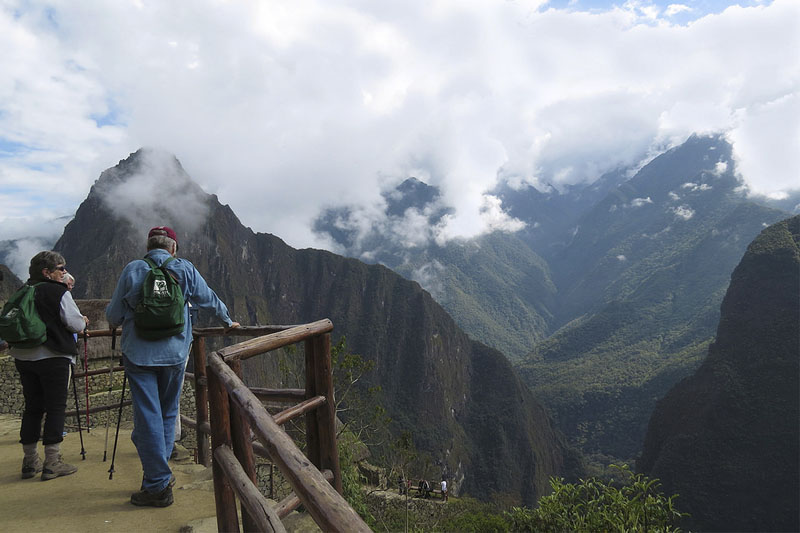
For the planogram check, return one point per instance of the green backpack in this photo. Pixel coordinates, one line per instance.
(160, 311)
(20, 323)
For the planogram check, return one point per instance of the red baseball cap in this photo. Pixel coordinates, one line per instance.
(165, 231)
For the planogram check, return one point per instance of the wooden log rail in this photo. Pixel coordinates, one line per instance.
(97, 372)
(259, 345)
(235, 409)
(97, 409)
(261, 513)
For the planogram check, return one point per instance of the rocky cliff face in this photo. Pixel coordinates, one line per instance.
(452, 393)
(9, 283)
(726, 439)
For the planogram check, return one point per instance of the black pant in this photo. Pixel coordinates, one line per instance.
(45, 385)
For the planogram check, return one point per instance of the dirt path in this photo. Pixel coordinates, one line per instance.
(88, 501)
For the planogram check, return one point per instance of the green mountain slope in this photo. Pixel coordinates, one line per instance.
(727, 439)
(645, 280)
(494, 287)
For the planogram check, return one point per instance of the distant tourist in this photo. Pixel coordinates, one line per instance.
(444, 489)
(424, 488)
(44, 370)
(155, 368)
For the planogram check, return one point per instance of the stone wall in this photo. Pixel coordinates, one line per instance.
(11, 400)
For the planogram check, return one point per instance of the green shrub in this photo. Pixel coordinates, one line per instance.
(633, 504)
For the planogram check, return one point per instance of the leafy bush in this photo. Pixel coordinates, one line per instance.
(635, 504)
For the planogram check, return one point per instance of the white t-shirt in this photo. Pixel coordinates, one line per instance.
(444, 486)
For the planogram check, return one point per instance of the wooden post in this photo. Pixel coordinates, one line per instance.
(312, 425)
(240, 436)
(227, 519)
(326, 414)
(201, 399)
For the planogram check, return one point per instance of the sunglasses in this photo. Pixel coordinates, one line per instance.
(62, 268)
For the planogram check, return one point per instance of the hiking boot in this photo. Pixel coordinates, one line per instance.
(56, 469)
(31, 467)
(153, 499)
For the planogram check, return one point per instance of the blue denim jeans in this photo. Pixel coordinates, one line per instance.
(156, 392)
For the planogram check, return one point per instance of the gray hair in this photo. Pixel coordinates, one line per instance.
(47, 259)
(161, 241)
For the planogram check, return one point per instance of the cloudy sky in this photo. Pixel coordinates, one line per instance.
(285, 108)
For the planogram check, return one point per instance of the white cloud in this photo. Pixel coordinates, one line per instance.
(639, 202)
(674, 9)
(429, 277)
(621, 258)
(694, 187)
(683, 212)
(282, 108)
(20, 253)
(156, 188)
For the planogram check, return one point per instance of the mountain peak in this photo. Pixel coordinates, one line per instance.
(144, 190)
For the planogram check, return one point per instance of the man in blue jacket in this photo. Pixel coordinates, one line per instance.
(155, 368)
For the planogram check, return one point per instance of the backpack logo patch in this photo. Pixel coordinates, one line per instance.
(160, 288)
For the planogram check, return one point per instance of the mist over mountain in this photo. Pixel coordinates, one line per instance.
(607, 296)
(727, 438)
(449, 391)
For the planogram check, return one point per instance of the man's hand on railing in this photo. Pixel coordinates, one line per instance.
(233, 325)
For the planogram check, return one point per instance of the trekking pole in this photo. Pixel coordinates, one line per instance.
(119, 419)
(86, 373)
(110, 386)
(78, 413)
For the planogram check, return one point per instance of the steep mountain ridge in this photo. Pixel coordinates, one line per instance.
(430, 370)
(727, 438)
(640, 288)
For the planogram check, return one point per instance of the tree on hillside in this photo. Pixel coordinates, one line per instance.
(634, 503)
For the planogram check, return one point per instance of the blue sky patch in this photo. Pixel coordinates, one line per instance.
(696, 8)
(9, 148)
(112, 116)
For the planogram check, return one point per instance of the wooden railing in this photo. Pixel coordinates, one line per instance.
(236, 411)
